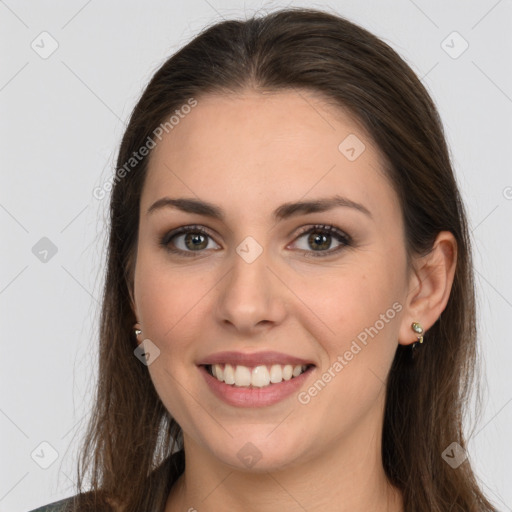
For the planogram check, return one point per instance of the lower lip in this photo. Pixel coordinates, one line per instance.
(254, 397)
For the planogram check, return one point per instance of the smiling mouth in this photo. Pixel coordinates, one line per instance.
(257, 376)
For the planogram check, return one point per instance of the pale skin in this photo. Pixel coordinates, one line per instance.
(248, 154)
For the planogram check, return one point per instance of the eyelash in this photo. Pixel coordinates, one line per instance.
(339, 235)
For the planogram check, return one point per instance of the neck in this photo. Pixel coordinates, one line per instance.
(350, 478)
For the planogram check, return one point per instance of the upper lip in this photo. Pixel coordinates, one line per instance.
(253, 359)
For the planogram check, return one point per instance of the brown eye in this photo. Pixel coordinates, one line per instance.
(188, 240)
(195, 241)
(318, 240)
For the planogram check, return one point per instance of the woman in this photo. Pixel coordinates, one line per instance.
(288, 320)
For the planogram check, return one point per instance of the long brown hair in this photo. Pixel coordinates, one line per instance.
(131, 436)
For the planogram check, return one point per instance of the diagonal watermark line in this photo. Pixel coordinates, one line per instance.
(485, 15)
(308, 191)
(80, 284)
(72, 428)
(73, 219)
(485, 218)
(376, 376)
(332, 332)
(13, 217)
(14, 423)
(13, 13)
(286, 491)
(312, 106)
(206, 1)
(318, 181)
(184, 184)
(492, 81)
(217, 486)
(431, 69)
(496, 496)
(492, 419)
(13, 279)
(424, 14)
(177, 177)
(14, 76)
(75, 15)
(92, 92)
(200, 299)
(68, 477)
(198, 402)
(490, 284)
(11, 489)
(281, 422)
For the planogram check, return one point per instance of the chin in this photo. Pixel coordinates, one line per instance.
(259, 453)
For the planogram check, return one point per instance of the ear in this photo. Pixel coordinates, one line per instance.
(129, 279)
(430, 285)
(137, 324)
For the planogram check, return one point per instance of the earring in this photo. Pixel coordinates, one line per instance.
(418, 329)
(136, 329)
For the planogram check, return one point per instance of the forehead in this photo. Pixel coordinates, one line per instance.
(256, 148)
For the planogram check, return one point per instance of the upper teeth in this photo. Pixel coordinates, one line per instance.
(259, 376)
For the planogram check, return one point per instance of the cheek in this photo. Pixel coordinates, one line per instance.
(170, 304)
(360, 316)
(169, 301)
(358, 334)
(349, 300)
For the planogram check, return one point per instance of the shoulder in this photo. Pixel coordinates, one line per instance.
(86, 502)
(162, 477)
(57, 506)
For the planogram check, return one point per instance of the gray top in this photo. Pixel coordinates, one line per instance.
(57, 506)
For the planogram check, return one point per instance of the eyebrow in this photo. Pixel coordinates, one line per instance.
(284, 211)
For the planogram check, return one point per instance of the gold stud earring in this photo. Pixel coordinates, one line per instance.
(418, 329)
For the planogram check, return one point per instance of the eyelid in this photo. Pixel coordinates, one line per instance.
(186, 229)
(329, 228)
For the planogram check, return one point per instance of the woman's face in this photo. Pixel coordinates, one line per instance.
(255, 277)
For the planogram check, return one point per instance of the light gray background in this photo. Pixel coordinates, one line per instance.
(62, 118)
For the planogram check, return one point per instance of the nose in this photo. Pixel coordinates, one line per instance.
(251, 297)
